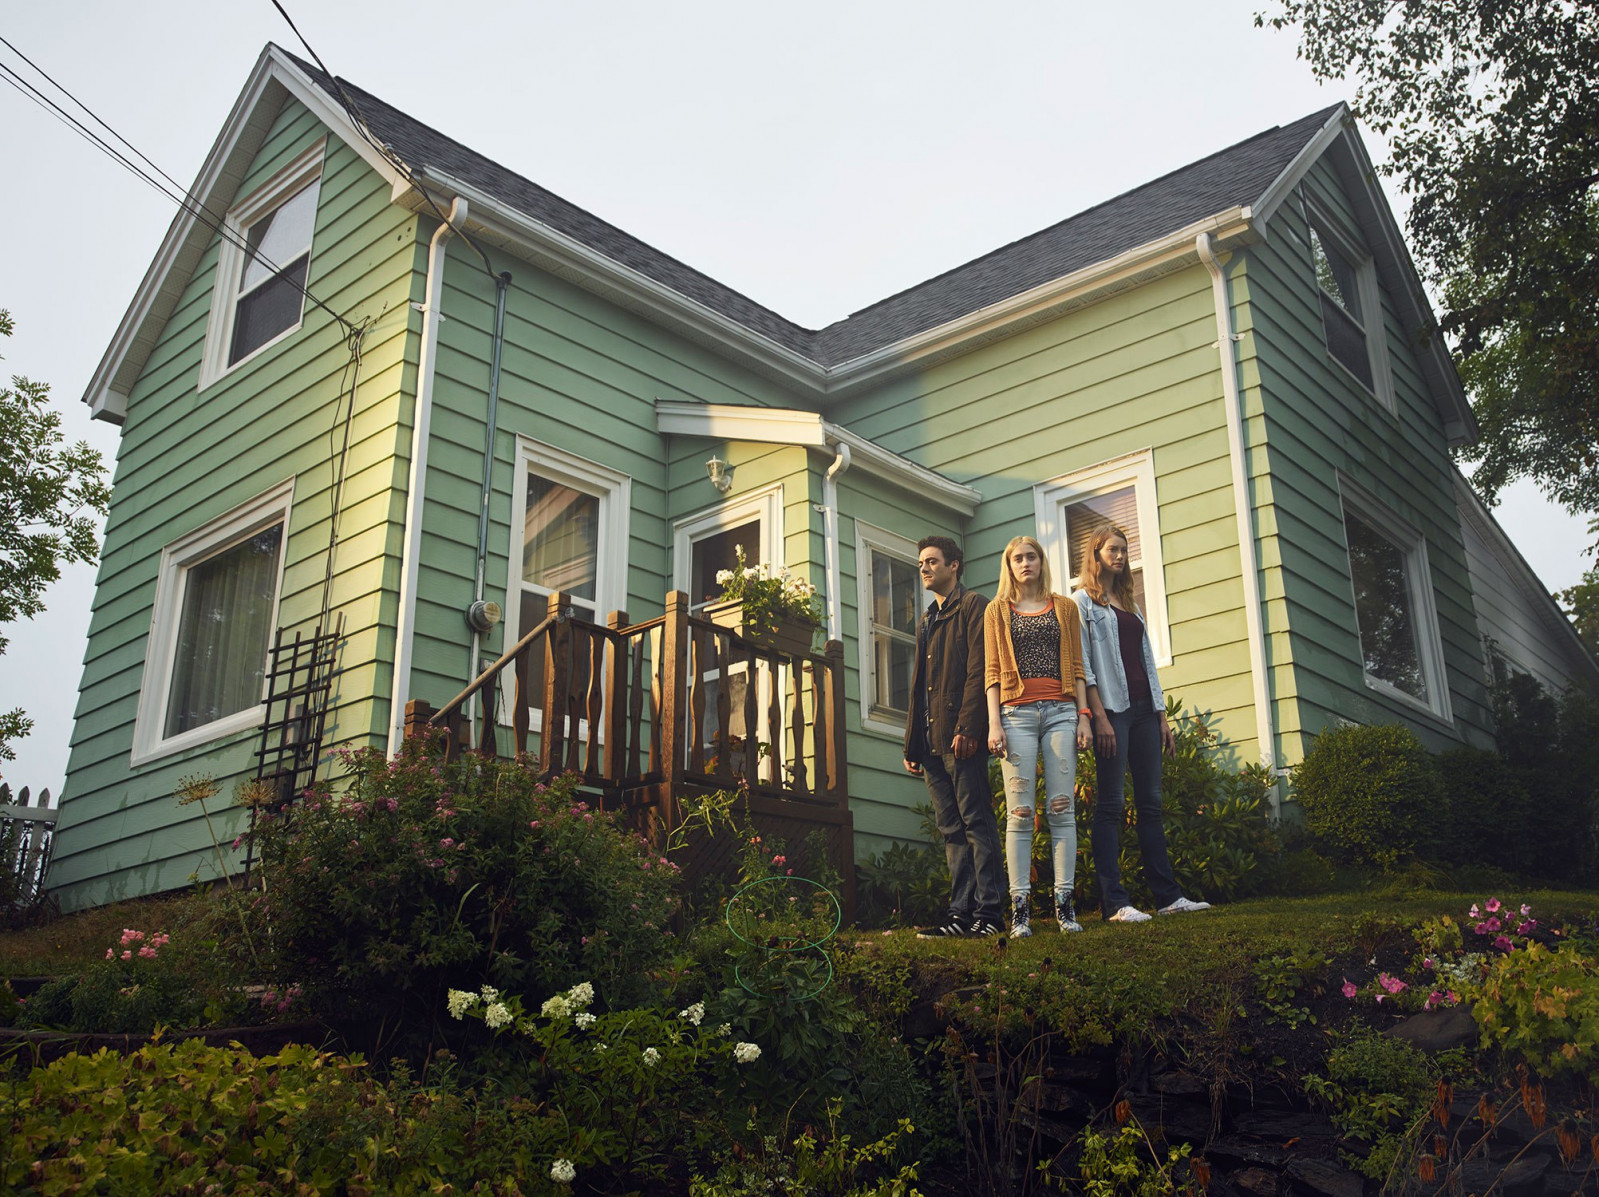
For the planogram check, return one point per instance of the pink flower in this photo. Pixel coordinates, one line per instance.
(111, 953)
(1391, 984)
(239, 840)
(1349, 989)
(780, 860)
(147, 952)
(1525, 910)
(1503, 944)
(126, 954)
(1527, 928)
(1428, 962)
(1435, 998)
(1493, 905)
(1474, 912)
(446, 842)
(1493, 925)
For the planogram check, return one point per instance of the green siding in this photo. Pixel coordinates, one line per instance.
(185, 458)
(1138, 370)
(1320, 422)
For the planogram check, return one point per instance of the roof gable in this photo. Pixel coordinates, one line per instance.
(1134, 236)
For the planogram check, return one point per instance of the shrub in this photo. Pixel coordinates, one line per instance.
(1551, 743)
(1376, 1087)
(1542, 1006)
(1483, 798)
(424, 874)
(1364, 791)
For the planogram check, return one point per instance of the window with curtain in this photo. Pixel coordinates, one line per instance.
(224, 632)
(1084, 517)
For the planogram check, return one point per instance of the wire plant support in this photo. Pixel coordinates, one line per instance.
(299, 681)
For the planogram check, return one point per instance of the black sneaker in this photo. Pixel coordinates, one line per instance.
(983, 928)
(951, 928)
(1019, 915)
(1066, 913)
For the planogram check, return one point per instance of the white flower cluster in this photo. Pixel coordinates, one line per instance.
(584, 1020)
(694, 1014)
(651, 1057)
(497, 1014)
(459, 1002)
(574, 999)
(563, 1172)
(725, 1030)
(746, 1053)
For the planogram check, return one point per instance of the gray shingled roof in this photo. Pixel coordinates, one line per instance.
(1232, 177)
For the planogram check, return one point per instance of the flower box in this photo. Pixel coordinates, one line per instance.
(791, 635)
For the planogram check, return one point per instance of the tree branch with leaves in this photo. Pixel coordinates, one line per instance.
(51, 497)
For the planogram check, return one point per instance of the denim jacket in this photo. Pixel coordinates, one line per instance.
(1102, 655)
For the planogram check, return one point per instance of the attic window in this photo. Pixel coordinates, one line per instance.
(1351, 308)
(263, 263)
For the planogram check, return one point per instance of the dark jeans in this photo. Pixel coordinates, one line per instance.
(1137, 748)
(964, 809)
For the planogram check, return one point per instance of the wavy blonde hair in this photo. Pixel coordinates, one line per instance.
(1089, 579)
(1008, 591)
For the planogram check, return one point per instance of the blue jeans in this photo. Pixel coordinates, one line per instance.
(1137, 748)
(1031, 727)
(964, 810)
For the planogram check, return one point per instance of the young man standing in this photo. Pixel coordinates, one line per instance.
(946, 741)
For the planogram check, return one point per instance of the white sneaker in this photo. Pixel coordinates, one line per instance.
(1183, 906)
(1128, 914)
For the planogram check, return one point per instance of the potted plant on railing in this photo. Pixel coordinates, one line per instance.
(771, 607)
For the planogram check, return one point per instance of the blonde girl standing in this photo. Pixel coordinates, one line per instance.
(1037, 705)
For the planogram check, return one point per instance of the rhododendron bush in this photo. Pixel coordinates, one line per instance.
(418, 874)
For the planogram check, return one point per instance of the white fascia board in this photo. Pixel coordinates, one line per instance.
(1476, 511)
(187, 237)
(1047, 300)
(566, 256)
(735, 422)
(1284, 184)
(783, 426)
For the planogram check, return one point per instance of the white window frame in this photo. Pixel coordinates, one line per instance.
(1322, 224)
(765, 505)
(870, 539)
(1382, 519)
(177, 558)
(1050, 499)
(612, 488)
(303, 172)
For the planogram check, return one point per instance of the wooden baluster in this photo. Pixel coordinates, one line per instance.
(556, 643)
(635, 704)
(722, 647)
(670, 690)
(616, 696)
(752, 729)
(819, 729)
(696, 704)
(453, 724)
(797, 676)
(774, 717)
(837, 744)
(576, 650)
(593, 767)
(520, 722)
(487, 744)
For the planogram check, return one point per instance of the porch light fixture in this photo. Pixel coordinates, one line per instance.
(716, 470)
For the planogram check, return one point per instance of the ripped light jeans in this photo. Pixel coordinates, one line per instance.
(1031, 728)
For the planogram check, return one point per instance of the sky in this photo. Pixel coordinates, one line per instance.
(817, 157)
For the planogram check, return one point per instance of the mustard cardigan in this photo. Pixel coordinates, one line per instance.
(999, 654)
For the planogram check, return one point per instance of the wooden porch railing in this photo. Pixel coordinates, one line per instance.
(653, 712)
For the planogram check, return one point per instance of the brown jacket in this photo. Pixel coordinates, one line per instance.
(949, 651)
(1000, 653)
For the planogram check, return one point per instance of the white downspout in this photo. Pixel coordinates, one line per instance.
(1225, 339)
(411, 554)
(830, 534)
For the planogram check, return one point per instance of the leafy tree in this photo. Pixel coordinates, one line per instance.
(49, 494)
(1581, 602)
(1492, 111)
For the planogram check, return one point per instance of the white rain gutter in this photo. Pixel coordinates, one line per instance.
(410, 559)
(1226, 338)
(830, 534)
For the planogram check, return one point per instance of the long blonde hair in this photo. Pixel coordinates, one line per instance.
(1089, 579)
(1008, 591)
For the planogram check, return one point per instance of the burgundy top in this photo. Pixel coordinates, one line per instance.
(1131, 631)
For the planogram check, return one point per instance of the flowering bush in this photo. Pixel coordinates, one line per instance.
(140, 985)
(629, 1094)
(422, 872)
(769, 596)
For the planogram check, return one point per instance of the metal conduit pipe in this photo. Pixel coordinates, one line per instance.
(421, 422)
(1254, 623)
(502, 284)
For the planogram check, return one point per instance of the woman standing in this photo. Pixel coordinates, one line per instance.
(1130, 728)
(1033, 649)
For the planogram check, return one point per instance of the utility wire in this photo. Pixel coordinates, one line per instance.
(184, 199)
(353, 111)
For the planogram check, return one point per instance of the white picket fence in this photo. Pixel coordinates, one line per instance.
(26, 834)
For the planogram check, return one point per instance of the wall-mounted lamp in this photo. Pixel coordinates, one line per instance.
(716, 470)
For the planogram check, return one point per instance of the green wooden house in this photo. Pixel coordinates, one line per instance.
(381, 385)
